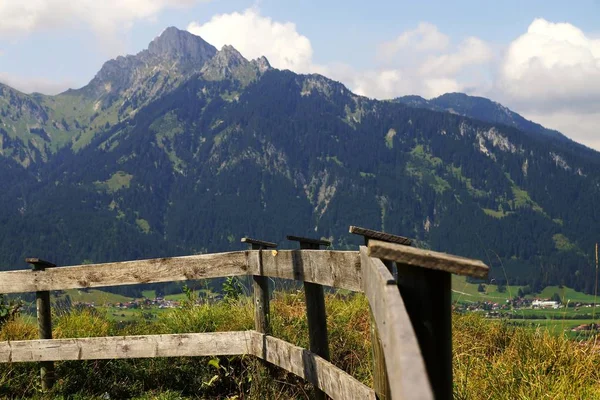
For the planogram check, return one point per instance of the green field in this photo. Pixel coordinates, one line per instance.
(462, 291)
(97, 297)
(566, 294)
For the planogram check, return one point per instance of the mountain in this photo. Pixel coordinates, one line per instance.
(221, 147)
(479, 108)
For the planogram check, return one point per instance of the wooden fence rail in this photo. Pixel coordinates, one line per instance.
(340, 269)
(402, 329)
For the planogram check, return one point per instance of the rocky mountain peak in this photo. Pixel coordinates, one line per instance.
(177, 45)
(228, 57)
(262, 63)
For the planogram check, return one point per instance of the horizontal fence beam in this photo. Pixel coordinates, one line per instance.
(113, 347)
(403, 358)
(427, 259)
(336, 383)
(325, 376)
(339, 269)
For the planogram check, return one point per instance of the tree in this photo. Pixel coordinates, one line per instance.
(501, 288)
(520, 293)
(481, 288)
(556, 297)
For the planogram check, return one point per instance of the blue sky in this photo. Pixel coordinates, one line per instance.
(540, 58)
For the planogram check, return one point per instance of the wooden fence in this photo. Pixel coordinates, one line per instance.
(408, 290)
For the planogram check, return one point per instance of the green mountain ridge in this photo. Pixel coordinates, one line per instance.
(232, 147)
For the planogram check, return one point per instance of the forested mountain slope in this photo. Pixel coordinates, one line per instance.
(235, 148)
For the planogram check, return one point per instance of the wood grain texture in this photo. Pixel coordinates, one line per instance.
(144, 346)
(336, 383)
(404, 362)
(126, 273)
(427, 259)
(339, 269)
(377, 235)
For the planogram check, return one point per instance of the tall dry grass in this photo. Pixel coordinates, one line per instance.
(492, 359)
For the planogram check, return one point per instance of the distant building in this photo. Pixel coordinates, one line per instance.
(545, 304)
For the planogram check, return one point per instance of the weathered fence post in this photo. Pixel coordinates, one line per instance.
(44, 318)
(315, 308)
(424, 281)
(428, 300)
(380, 379)
(260, 286)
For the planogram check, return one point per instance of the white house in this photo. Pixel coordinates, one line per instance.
(545, 304)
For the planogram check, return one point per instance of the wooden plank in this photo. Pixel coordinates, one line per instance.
(381, 383)
(144, 346)
(427, 259)
(316, 314)
(403, 359)
(318, 242)
(427, 297)
(260, 243)
(126, 273)
(339, 269)
(44, 319)
(262, 298)
(325, 376)
(377, 235)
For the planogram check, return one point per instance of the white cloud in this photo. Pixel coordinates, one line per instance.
(105, 17)
(254, 35)
(432, 71)
(551, 74)
(426, 37)
(579, 126)
(39, 85)
(472, 51)
(555, 65)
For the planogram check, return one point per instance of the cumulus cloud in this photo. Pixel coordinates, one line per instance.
(38, 85)
(472, 51)
(254, 35)
(554, 64)
(579, 126)
(432, 70)
(551, 74)
(426, 37)
(104, 17)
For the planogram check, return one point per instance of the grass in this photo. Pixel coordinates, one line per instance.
(562, 243)
(97, 297)
(492, 359)
(143, 225)
(467, 292)
(119, 180)
(495, 213)
(192, 377)
(566, 294)
(495, 360)
(464, 291)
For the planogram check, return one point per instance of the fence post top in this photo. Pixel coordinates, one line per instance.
(38, 264)
(318, 242)
(261, 243)
(369, 234)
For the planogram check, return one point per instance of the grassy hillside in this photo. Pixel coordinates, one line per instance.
(465, 291)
